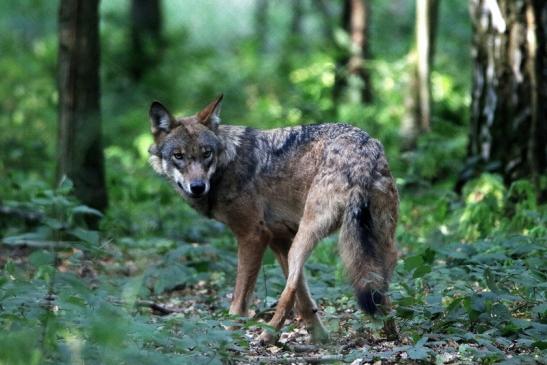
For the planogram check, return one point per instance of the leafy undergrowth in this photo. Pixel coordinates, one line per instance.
(463, 292)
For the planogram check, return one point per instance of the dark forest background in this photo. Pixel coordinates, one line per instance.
(101, 262)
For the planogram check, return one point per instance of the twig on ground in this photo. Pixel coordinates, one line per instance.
(261, 313)
(299, 348)
(157, 307)
(320, 359)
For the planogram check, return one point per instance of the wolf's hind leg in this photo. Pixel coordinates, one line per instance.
(390, 327)
(307, 308)
(305, 305)
(320, 217)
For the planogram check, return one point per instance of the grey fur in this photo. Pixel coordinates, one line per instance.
(287, 188)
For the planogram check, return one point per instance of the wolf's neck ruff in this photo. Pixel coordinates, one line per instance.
(230, 137)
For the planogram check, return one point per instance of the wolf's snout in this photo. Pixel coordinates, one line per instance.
(197, 187)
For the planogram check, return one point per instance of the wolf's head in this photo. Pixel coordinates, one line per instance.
(186, 150)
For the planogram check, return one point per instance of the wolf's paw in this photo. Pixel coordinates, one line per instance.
(318, 334)
(267, 337)
(232, 327)
(390, 330)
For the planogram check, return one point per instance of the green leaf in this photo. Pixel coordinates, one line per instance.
(45, 272)
(41, 257)
(9, 267)
(490, 280)
(537, 330)
(65, 185)
(91, 237)
(84, 209)
(413, 262)
(109, 327)
(422, 341)
(418, 353)
(429, 256)
(500, 312)
(54, 224)
(41, 234)
(76, 300)
(540, 312)
(421, 271)
(542, 344)
(509, 329)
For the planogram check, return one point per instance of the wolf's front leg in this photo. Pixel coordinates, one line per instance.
(250, 250)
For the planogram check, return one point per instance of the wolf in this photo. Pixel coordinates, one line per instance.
(286, 188)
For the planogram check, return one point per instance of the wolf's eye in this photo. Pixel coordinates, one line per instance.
(207, 154)
(178, 155)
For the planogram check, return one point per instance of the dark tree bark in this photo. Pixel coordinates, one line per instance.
(418, 102)
(297, 14)
(146, 38)
(80, 151)
(508, 131)
(261, 25)
(355, 21)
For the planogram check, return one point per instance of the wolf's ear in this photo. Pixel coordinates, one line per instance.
(161, 120)
(210, 115)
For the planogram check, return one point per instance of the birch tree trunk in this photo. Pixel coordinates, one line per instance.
(80, 150)
(352, 72)
(418, 101)
(508, 132)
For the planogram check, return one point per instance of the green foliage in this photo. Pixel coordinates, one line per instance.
(482, 294)
(490, 208)
(28, 90)
(51, 304)
(438, 155)
(61, 216)
(152, 284)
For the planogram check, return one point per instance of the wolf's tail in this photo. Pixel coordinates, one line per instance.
(366, 241)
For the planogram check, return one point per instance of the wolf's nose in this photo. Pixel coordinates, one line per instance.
(197, 187)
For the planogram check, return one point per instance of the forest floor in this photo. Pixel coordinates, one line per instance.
(347, 344)
(469, 287)
(354, 337)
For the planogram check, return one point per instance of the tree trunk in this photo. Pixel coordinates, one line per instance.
(80, 152)
(146, 40)
(508, 131)
(351, 70)
(261, 25)
(418, 102)
(296, 20)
